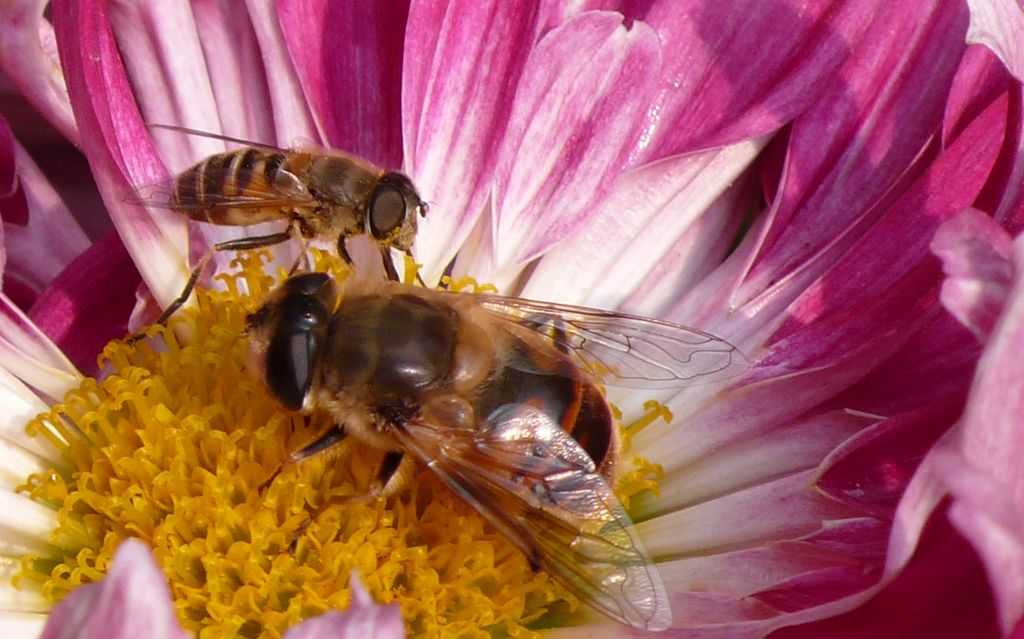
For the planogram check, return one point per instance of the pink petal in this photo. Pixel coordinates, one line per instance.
(981, 79)
(768, 510)
(40, 234)
(13, 204)
(363, 618)
(702, 461)
(670, 221)
(871, 470)
(935, 364)
(164, 64)
(851, 149)
(89, 303)
(943, 593)
(975, 254)
(461, 68)
(879, 288)
(978, 81)
(27, 353)
(235, 65)
(28, 55)
(116, 142)
(985, 512)
(574, 123)
(349, 59)
(132, 602)
(739, 70)
(291, 115)
(999, 25)
(992, 436)
(771, 579)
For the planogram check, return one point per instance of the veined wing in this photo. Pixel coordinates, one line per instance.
(217, 186)
(536, 485)
(625, 350)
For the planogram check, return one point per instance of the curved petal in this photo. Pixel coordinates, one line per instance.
(739, 70)
(28, 353)
(461, 68)
(975, 254)
(28, 55)
(573, 124)
(890, 266)
(40, 235)
(236, 68)
(117, 144)
(348, 57)
(291, 115)
(363, 618)
(852, 148)
(635, 226)
(943, 593)
(88, 304)
(999, 25)
(163, 66)
(132, 601)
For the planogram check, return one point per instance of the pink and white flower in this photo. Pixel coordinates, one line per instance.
(789, 175)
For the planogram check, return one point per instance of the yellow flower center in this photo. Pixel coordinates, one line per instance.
(177, 445)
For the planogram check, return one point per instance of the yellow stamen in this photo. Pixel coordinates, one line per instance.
(412, 269)
(180, 447)
(463, 283)
(654, 410)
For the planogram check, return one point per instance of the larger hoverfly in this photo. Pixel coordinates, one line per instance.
(500, 397)
(326, 195)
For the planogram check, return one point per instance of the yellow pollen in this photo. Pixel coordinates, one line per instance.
(180, 447)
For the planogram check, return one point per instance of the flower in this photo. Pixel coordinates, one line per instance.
(777, 174)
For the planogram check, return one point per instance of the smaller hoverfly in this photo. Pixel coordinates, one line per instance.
(500, 397)
(326, 195)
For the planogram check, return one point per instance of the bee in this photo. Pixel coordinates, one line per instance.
(501, 398)
(326, 195)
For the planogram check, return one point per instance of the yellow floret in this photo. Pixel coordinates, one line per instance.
(177, 445)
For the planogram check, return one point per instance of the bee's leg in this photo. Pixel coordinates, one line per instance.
(343, 251)
(328, 440)
(302, 258)
(241, 244)
(389, 475)
(389, 264)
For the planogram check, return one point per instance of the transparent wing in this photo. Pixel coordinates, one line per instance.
(625, 350)
(535, 483)
(184, 194)
(217, 189)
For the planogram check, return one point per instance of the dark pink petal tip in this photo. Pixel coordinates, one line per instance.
(975, 254)
(88, 304)
(133, 601)
(363, 618)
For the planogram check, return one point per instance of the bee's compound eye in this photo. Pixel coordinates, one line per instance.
(387, 210)
(294, 350)
(308, 284)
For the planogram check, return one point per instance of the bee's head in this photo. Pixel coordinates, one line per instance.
(287, 335)
(392, 211)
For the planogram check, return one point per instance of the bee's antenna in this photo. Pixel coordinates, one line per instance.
(213, 136)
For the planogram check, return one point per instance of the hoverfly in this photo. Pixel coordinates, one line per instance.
(326, 195)
(500, 397)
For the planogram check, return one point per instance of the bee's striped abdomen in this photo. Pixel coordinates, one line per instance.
(238, 188)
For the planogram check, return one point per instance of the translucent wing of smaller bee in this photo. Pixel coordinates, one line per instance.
(538, 486)
(218, 185)
(625, 350)
(216, 189)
